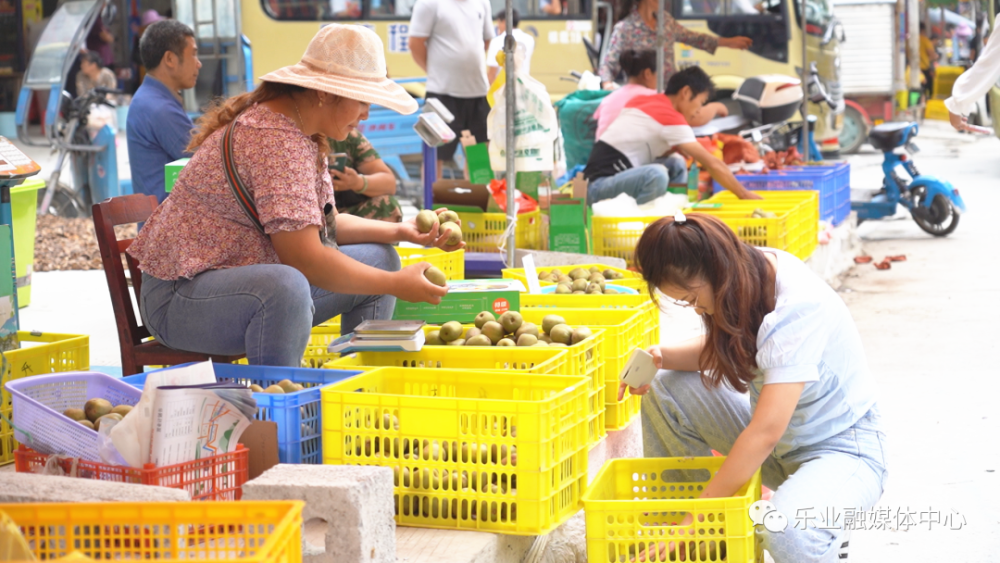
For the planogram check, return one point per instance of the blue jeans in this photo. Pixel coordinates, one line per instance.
(265, 311)
(680, 417)
(644, 183)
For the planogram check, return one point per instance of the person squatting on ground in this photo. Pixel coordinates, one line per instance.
(779, 382)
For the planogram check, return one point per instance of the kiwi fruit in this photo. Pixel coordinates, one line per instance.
(448, 216)
(610, 274)
(580, 284)
(483, 318)
(434, 338)
(527, 340)
(494, 331)
(436, 276)
(455, 237)
(87, 423)
(299, 387)
(580, 334)
(451, 330)
(563, 289)
(506, 342)
(594, 288)
(555, 273)
(274, 390)
(458, 342)
(527, 328)
(578, 273)
(287, 385)
(75, 414)
(511, 321)
(561, 333)
(565, 279)
(479, 340)
(540, 344)
(610, 291)
(545, 338)
(426, 220)
(595, 270)
(96, 408)
(550, 321)
(581, 292)
(543, 275)
(557, 345)
(472, 333)
(122, 410)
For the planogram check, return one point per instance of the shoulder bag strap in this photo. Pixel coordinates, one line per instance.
(236, 184)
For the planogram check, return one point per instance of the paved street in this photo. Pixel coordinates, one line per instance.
(929, 326)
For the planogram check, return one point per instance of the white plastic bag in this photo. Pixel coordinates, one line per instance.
(535, 125)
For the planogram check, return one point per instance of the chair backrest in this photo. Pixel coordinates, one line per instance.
(109, 213)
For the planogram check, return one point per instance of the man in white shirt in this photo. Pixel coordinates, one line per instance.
(522, 38)
(448, 39)
(974, 83)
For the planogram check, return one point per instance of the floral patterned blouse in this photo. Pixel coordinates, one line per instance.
(633, 33)
(200, 226)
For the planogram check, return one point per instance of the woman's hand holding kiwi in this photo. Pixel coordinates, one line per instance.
(441, 229)
(414, 286)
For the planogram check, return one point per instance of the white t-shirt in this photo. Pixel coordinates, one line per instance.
(456, 32)
(810, 337)
(521, 38)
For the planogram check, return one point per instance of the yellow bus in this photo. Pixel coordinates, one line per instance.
(279, 31)
(774, 26)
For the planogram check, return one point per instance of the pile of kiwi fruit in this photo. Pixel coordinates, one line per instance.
(96, 411)
(581, 282)
(283, 386)
(509, 330)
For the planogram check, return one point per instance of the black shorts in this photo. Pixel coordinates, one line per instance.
(470, 115)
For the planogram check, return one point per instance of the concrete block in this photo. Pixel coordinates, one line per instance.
(31, 487)
(349, 515)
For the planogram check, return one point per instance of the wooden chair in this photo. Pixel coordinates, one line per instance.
(136, 354)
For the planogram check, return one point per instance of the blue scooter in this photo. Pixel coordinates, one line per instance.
(934, 204)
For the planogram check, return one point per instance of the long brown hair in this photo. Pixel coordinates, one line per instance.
(703, 247)
(223, 111)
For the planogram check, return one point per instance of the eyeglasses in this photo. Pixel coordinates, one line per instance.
(682, 303)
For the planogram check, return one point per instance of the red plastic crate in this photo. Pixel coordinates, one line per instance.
(219, 477)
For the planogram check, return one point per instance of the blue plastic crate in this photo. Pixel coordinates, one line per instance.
(833, 182)
(297, 414)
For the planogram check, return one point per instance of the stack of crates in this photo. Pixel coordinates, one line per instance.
(794, 230)
(831, 181)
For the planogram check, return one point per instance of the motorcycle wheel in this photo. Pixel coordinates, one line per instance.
(65, 203)
(854, 133)
(939, 220)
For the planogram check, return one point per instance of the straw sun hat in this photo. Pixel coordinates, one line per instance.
(348, 61)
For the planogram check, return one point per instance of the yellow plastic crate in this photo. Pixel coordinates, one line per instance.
(245, 531)
(617, 236)
(525, 360)
(585, 358)
(803, 234)
(936, 110)
(471, 451)
(482, 232)
(944, 81)
(631, 279)
(624, 331)
(319, 338)
(55, 353)
(634, 505)
(451, 263)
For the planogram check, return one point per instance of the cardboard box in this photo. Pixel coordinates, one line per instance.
(171, 171)
(465, 300)
(261, 438)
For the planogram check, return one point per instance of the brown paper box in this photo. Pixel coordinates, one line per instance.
(261, 438)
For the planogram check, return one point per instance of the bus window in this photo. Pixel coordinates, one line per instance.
(819, 13)
(391, 9)
(704, 8)
(535, 9)
(313, 10)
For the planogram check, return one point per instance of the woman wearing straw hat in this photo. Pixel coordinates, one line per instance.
(234, 261)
